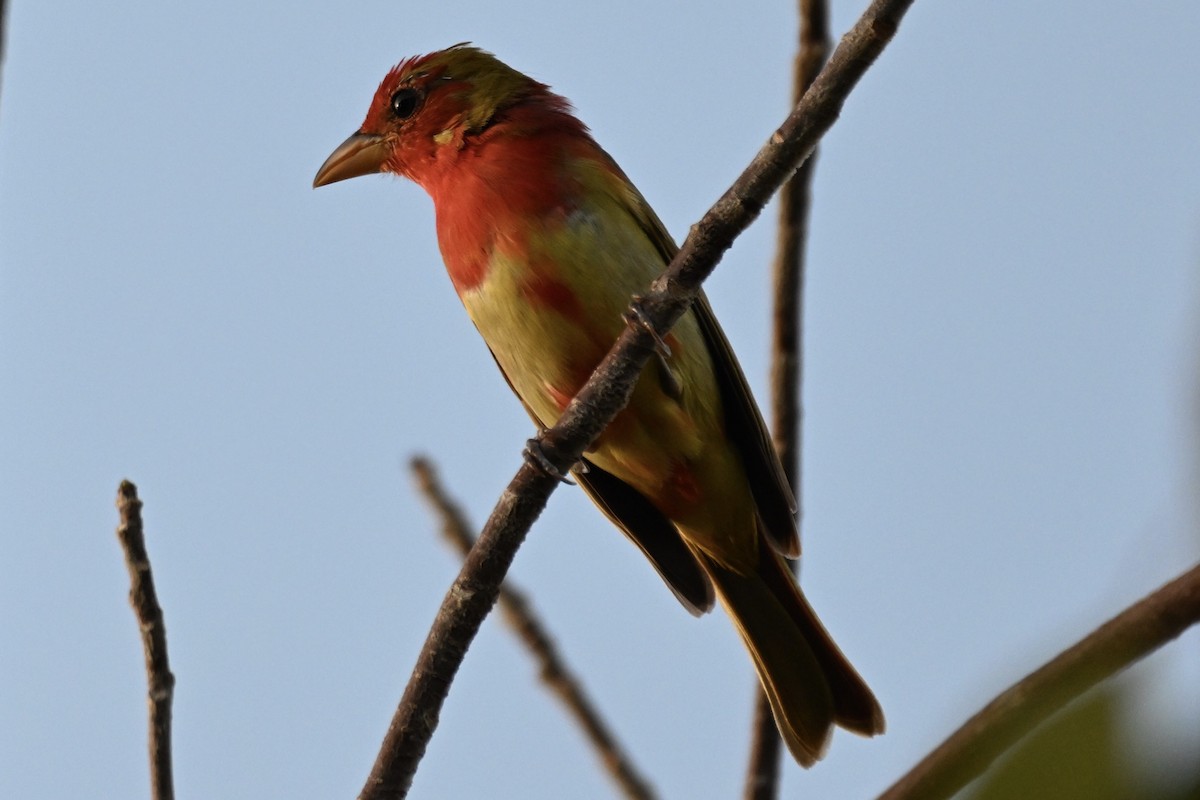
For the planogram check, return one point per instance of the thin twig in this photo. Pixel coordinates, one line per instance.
(517, 611)
(475, 589)
(154, 639)
(1133, 634)
(3, 36)
(787, 357)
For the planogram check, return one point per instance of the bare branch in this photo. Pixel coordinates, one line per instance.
(154, 639)
(3, 35)
(517, 611)
(1127, 637)
(787, 356)
(475, 589)
(788, 274)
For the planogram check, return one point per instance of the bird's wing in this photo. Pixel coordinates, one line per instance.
(645, 525)
(744, 424)
(772, 493)
(653, 533)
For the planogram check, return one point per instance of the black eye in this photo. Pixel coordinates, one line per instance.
(405, 102)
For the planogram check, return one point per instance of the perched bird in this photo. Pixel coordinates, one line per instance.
(546, 241)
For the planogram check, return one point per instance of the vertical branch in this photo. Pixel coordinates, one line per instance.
(149, 614)
(3, 35)
(787, 355)
(788, 277)
(518, 613)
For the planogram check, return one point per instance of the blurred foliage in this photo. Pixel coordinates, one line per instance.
(1081, 754)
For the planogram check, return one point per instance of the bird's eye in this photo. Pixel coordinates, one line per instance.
(405, 102)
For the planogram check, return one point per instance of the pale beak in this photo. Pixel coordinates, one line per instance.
(361, 154)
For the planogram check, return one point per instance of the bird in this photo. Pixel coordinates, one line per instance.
(546, 241)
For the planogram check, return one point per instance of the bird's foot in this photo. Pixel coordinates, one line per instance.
(636, 315)
(535, 455)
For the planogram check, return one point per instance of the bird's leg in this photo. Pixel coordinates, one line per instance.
(636, 315)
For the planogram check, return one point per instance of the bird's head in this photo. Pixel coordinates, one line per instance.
(425, 104)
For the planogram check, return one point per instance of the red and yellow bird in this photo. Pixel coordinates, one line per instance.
(546, 241)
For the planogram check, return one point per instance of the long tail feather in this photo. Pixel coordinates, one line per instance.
(811, 686)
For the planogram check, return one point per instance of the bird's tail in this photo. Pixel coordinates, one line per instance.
(810, 684)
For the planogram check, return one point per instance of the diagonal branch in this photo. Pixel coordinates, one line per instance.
(518, 613)
(475, 589)
(787, 357)
(149, 614)
(1127, 637)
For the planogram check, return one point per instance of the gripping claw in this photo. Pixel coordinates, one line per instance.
(636, 316)
(534, 454)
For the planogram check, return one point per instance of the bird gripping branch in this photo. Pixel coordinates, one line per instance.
(546, 241)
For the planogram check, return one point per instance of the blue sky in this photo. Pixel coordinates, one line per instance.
(1000, 387)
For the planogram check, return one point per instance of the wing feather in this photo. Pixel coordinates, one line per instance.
(646, 527)
(773, 494)
(653, 533)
